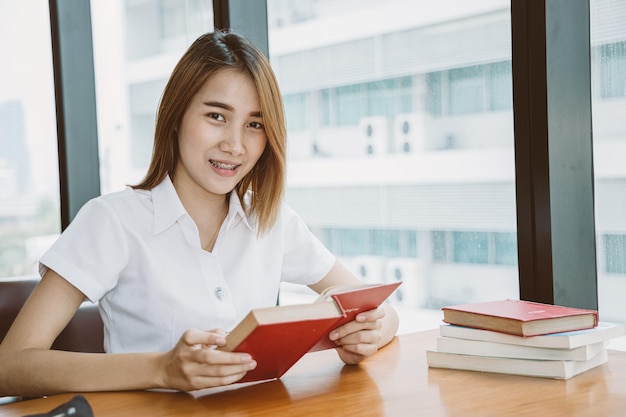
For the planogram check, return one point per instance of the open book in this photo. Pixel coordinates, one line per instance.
(277, 337)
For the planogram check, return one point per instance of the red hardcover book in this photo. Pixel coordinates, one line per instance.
(519, 317)
(353, 301)
(277, 337)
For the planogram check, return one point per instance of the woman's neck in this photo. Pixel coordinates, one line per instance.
(208, 212)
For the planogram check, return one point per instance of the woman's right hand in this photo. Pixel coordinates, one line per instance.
(195, 363)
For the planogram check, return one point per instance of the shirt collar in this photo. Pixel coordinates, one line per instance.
(168, 208)
(236, 213)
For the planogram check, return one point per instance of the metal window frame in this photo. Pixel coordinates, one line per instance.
(75, 99)
(553, 152)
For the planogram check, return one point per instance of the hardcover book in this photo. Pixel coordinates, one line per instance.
(277, 337)
(556, 369)
(604, 331)
(519, 317)
(504, 350)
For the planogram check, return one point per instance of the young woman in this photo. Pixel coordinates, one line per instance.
(204, 238)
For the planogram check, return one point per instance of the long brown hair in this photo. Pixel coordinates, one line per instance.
(207, 55)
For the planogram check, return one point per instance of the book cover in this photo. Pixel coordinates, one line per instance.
(604, 331)
(277, 337)
(556, 369)
(503, 350)
(353, 302)
(519, 317)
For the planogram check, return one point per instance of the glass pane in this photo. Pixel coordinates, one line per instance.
(401, 142)
(608, 81)
(29, 172)
(136, 45)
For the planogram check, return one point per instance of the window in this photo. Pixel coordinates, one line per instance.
(297, 111)
(380, 242)
(505, 248)
(612, 69)
(156, 27)
(474, 248)
(143, 101)
(614, 248)
(467, 90)
(470, 247)
(500, 81)
(29, 173)
(401, 127)
(153, 34)
(480, 88)
(347, 105)
(408, 141)
(608, 80)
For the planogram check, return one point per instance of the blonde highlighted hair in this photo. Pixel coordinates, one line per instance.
(208, 54)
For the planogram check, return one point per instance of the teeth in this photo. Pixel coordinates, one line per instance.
(223, 166)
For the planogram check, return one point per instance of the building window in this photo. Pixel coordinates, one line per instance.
(500, 90)
(612, 70)
(470, 247)
(434, 86)
(505, 249)
(347, 105)
(614, 249)
(474, 248)
(143, 101)
(297, 111)
(379, 242)
(467, 90)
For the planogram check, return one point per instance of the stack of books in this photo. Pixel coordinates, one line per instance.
(522, 338)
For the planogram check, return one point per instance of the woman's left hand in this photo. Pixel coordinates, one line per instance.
(360, 338)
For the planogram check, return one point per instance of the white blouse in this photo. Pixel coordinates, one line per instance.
(138, 253)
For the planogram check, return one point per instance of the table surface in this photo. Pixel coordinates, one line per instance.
(395, 382)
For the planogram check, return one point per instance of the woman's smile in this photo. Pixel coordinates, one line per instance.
(224, 168)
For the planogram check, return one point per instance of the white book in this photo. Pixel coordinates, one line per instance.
(505, 350)
(604, 331)
(525, 367)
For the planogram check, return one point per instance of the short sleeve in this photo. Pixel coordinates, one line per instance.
(306, 260)
(91, 252)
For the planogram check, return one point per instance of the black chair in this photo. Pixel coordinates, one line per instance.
(84, 333)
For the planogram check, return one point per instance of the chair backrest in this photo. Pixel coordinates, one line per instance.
(84, 333)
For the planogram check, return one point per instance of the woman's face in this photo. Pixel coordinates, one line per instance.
(221, 136)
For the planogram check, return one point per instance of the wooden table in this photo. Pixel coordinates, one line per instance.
(396, 382)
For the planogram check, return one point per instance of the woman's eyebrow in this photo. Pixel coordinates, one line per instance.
(256, 113)
(218, 104)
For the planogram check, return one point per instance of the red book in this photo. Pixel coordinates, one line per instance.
(519, 317)
(277, 337)
(353, 301)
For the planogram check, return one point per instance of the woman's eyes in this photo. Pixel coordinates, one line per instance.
(256, 125)
(220, 118)
(216, 116)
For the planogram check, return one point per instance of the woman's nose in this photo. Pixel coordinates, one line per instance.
(232, 141)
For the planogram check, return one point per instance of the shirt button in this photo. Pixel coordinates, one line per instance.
(219, 293)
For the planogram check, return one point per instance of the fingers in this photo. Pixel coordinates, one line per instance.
(361, 337)
(211, 367)
(369, 320)
(193, 337)
(194, 363)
